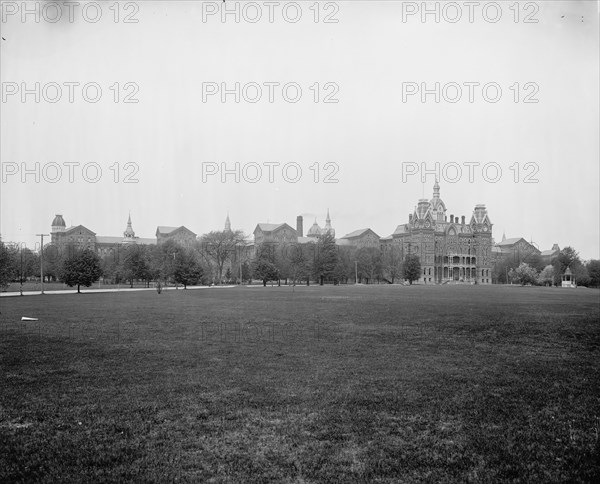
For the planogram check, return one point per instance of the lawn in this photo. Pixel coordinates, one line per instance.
(317, 384)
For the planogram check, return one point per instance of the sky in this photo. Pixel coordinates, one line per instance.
(502, 98)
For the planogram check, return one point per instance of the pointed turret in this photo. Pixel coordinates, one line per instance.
(438, 208)
(227, 224)
(315, 230)
(328, 228)
(129, 234)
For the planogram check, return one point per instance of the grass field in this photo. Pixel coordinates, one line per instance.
(323, 384)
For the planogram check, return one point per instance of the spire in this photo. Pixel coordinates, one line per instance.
(436, 190)
(129, 233)
(227, 224)
(328, 228)
(503, 236)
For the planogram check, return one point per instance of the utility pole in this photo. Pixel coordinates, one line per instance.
(176, 285)
(21, 273)
(240, 261)
(355, 272)
(42, 259)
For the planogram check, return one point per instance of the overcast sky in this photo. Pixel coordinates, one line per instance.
(370, 61)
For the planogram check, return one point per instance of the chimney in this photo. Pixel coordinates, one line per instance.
(299, 226)
(451, 219)
(462, 220)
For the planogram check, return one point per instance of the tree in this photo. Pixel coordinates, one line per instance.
(109, 267)
(344, 268)
(297, 266)
(159, 261)
(135, 264)
(54, 257)
(31, 263)
(162, 260)
(265, 271)
(412, 268)
(369, 263)
(501, 268)
(82, 268)
(187, 269)
(282, 260)
(220, 247)
(524, 274)
(325, 258)
(392, 263)
(8, 271)
(534, 260)
(246, 271)
(593, 268)
(580, 273)
(546, 276)
(568, 257)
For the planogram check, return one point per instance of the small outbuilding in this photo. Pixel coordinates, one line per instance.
(567, 279)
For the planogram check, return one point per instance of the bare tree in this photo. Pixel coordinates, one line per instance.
(219, 247)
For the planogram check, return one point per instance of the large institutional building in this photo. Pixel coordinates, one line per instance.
(451, 248)
(454, 249)
(82, 237)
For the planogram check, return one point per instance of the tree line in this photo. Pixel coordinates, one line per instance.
(218, 257)
(532, 270)
(323, 261)
(222, 257)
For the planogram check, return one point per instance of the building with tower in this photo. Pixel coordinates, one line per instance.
(82, 237)
(450, 250)
(282, 233)
(316, 231)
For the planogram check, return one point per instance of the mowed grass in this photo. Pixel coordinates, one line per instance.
(320, 384)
